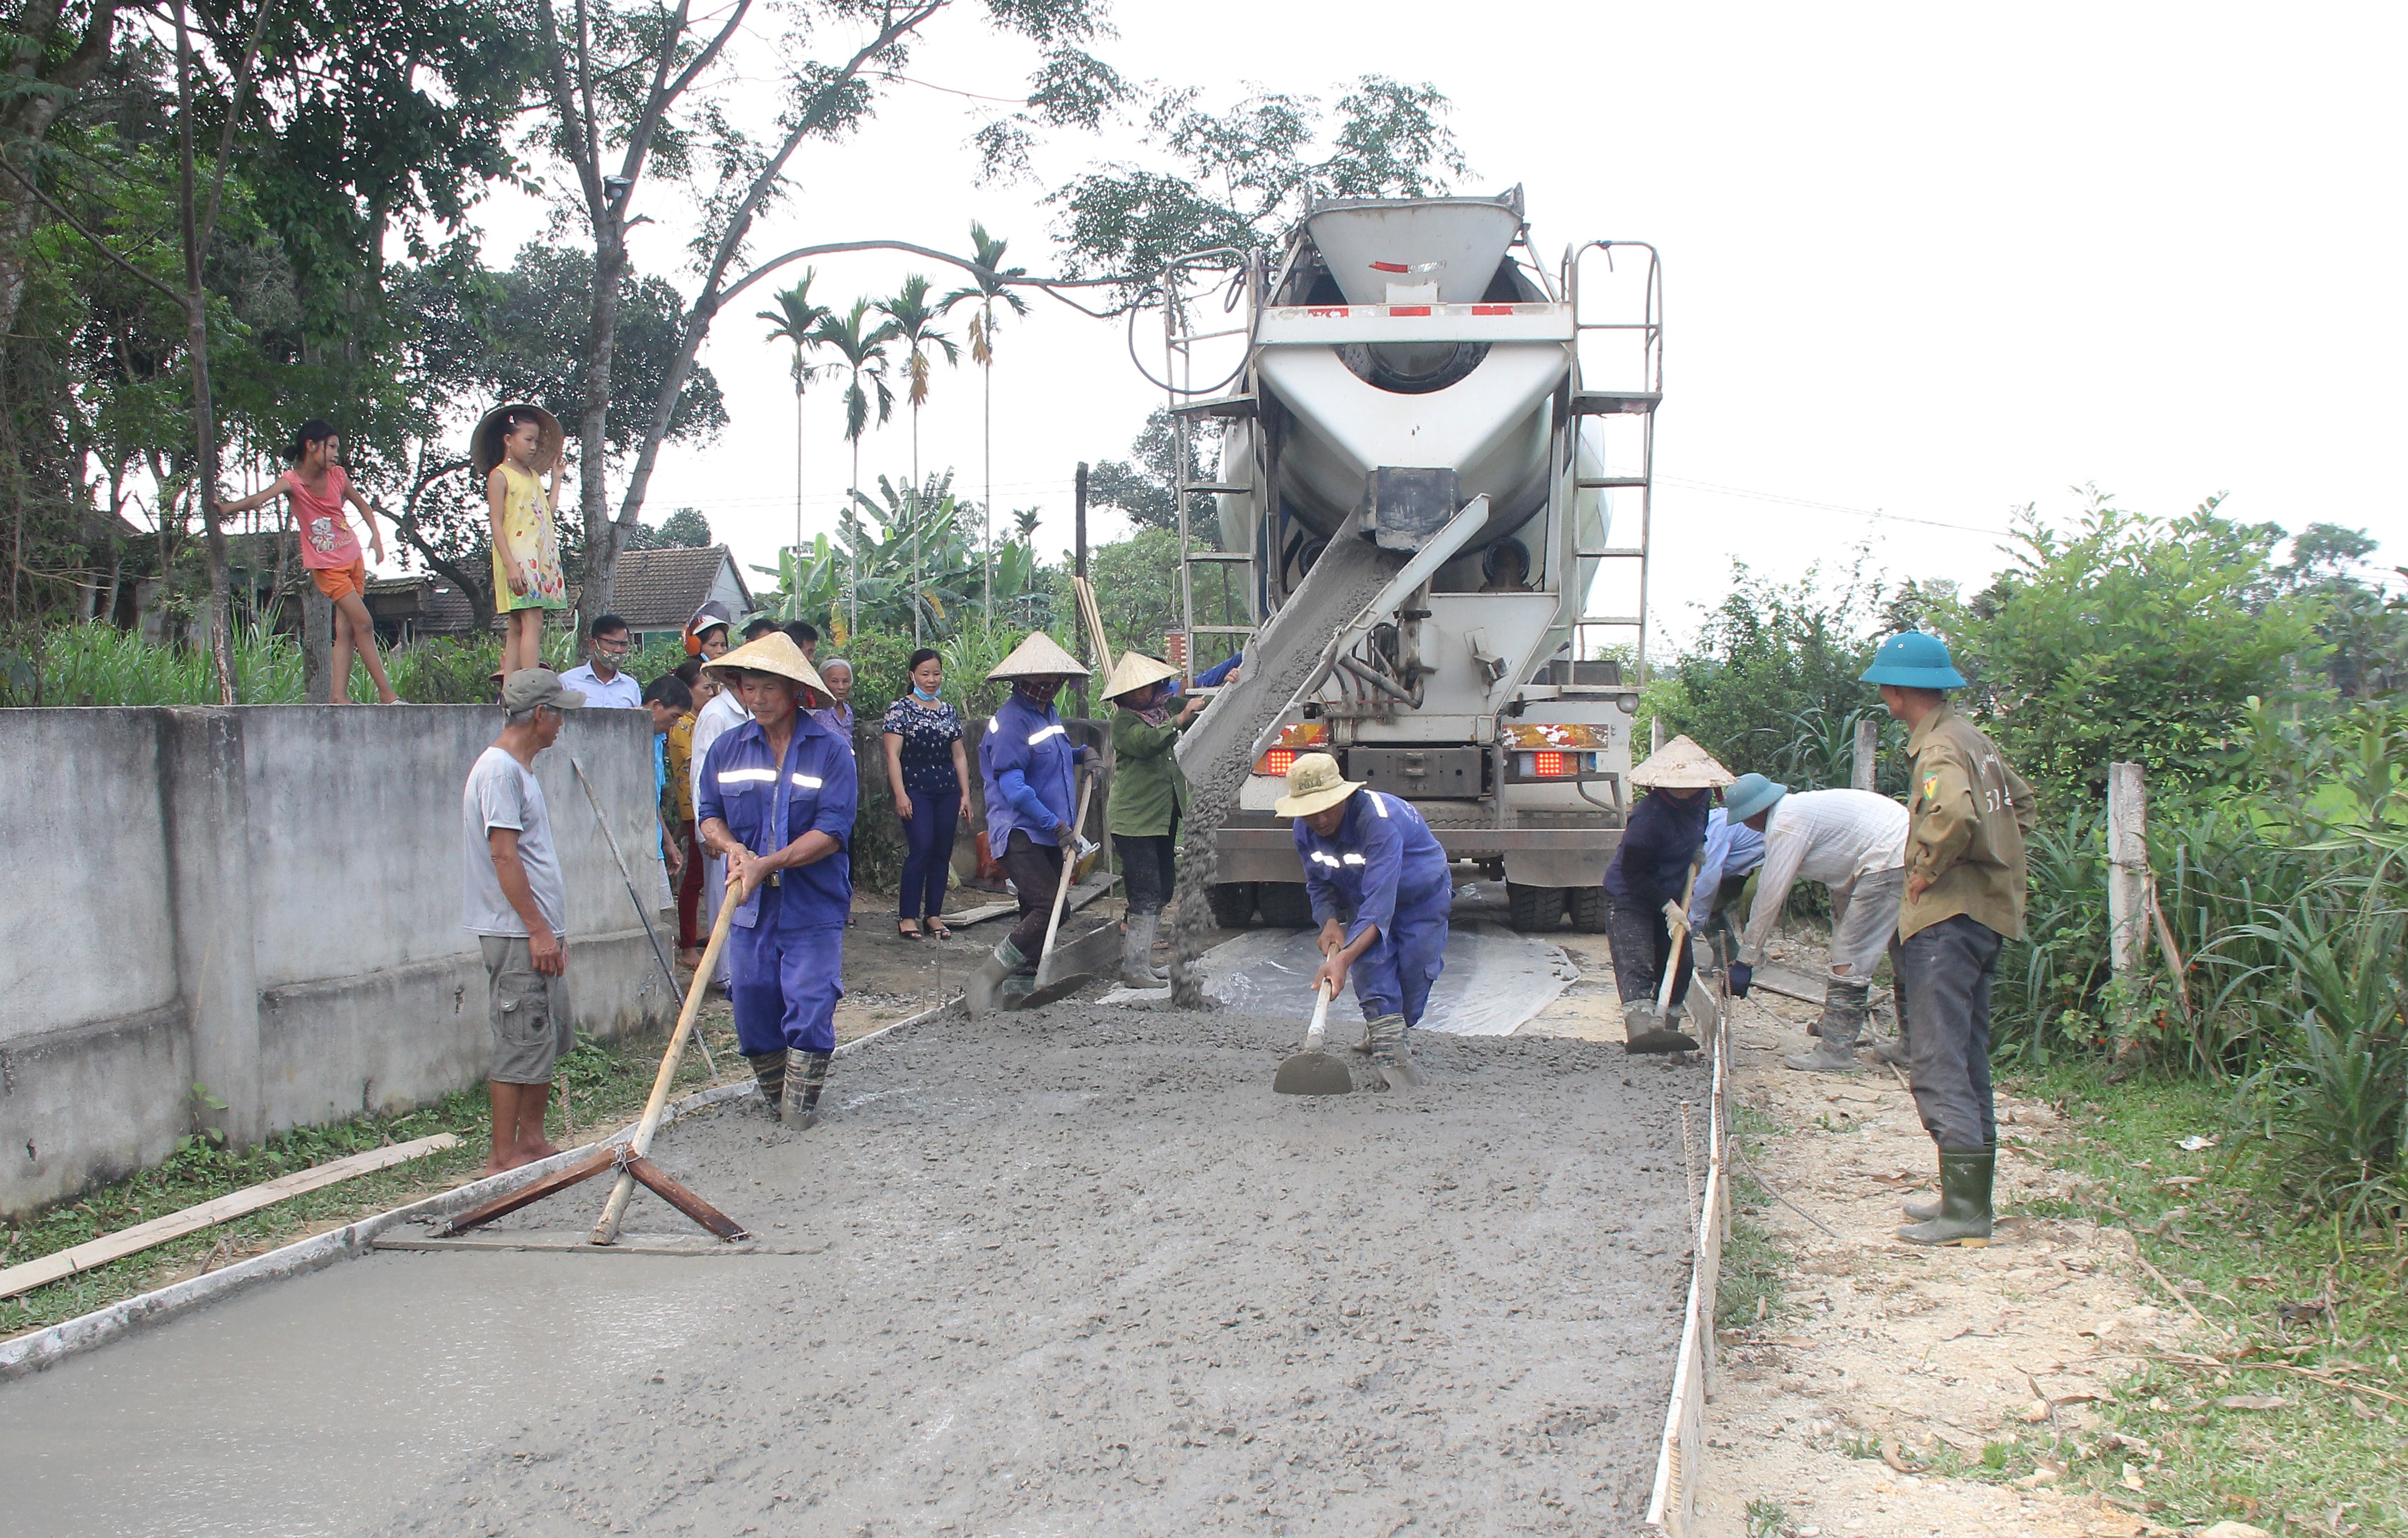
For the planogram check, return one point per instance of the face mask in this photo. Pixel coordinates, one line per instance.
(924, 694)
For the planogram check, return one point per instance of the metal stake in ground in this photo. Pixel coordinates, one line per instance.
(641, 917)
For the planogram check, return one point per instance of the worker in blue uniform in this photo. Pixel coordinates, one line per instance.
(776, 797)
(1028, 768)
(1379, 886)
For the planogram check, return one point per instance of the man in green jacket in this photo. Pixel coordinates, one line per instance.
(1148, 797)
(1967, 815)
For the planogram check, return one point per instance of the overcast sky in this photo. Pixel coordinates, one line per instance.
(1933, 263)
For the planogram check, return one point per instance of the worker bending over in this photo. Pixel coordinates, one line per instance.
(1852, 841)
(1648, 888)
(1028, 767)
(1379, 886)
(776, 802)
(1967, 814)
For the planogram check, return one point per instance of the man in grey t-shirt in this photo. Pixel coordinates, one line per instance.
(516, 904)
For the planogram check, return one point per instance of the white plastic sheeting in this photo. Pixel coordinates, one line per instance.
(1494, 981)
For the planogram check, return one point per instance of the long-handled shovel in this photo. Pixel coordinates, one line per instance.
(1313, 1071)
(1046, 986)
(1664, 1037)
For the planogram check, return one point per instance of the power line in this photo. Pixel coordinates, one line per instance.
(1830, 507)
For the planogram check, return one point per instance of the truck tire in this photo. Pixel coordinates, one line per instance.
(1588, 909)
(1535, 910)
(1284, 905)
(1232, 902)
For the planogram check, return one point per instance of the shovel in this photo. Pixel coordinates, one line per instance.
(1313, 1071)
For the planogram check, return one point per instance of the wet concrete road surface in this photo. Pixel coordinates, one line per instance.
(1074, 1270)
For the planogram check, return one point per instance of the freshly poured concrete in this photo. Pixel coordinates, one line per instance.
(1073, 1271)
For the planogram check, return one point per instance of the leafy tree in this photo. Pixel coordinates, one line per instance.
(2130, 638)
(989, 280)
(795, 322)
(1236, 177)
(684, 529)
(905, 554)
(1144, 486)
(2363, 628)
(1772, 686)
(640, 85)
(1136, 589)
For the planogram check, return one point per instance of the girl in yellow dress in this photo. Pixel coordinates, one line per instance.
(516, 446)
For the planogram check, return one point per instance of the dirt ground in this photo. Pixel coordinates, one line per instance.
(1931, 1354)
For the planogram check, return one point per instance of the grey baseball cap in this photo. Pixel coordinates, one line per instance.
(532, 686)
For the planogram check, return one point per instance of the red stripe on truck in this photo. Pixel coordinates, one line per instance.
(1409, 310)
(1390, 266)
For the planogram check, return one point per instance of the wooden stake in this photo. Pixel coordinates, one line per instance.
(605, 1227)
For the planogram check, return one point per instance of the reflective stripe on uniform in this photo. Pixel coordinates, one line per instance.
(1057, 729)
(748, 776)
(807, 782)
(1379, 803)
(1353, 859)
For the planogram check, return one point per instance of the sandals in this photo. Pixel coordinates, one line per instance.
(937, 931)
(907, 934)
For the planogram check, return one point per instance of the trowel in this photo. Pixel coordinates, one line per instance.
(1313, 1071)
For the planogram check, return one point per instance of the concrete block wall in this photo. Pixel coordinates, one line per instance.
(266, 900)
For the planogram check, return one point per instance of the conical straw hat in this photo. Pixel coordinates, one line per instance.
(775, 652)
(1681, 765)
(485, 443)
(1039, 656)
(1134, 671)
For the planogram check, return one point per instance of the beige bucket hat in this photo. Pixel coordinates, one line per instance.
(775, 652)
(485, 446)
(1134, 671)
(1313, 784)
(1681, 765)
(1039, 656)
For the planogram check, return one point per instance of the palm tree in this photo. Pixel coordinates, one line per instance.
(862, 349)
(914, 323)
(797, 321)
(986, 288)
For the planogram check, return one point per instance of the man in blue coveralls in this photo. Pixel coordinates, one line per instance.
(775, 797)
(1028, 768)
(1380, 886)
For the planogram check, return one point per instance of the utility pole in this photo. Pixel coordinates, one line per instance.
(1078, 553)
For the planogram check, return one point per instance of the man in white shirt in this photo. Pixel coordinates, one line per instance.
(726, 709)
(598, 678)
(1852, 841)
(516, 904)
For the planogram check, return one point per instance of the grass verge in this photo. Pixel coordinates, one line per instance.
(2300, 1332)
(1752, 1285)
(597, 1088)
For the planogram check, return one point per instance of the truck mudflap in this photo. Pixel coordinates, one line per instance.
(1533, 857)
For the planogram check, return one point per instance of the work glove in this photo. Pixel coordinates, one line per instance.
(1742, 977)
(1675, 916)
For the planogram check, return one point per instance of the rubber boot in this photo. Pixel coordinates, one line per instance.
(769, 1072)
(802, 1104)
(1136, 952)
(1391, 1060)
(979, 994)
(1964, 1220)
(1894, 1053)
(1924, 1212)
(1844, 1017)
(1644, 1030)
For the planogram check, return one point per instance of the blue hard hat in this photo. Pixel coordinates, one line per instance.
(1914, 659)
(1749, 795)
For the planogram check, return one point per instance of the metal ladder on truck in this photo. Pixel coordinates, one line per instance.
(1642, 378)
(1187, 405)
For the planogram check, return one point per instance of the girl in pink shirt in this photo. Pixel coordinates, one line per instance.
(318, 488)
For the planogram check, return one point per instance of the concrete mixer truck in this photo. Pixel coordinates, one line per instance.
(1429, 445)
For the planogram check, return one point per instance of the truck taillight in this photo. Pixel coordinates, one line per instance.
(1276, 763)
(1548, 765)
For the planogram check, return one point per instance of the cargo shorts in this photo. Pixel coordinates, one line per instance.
(528, 1011)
